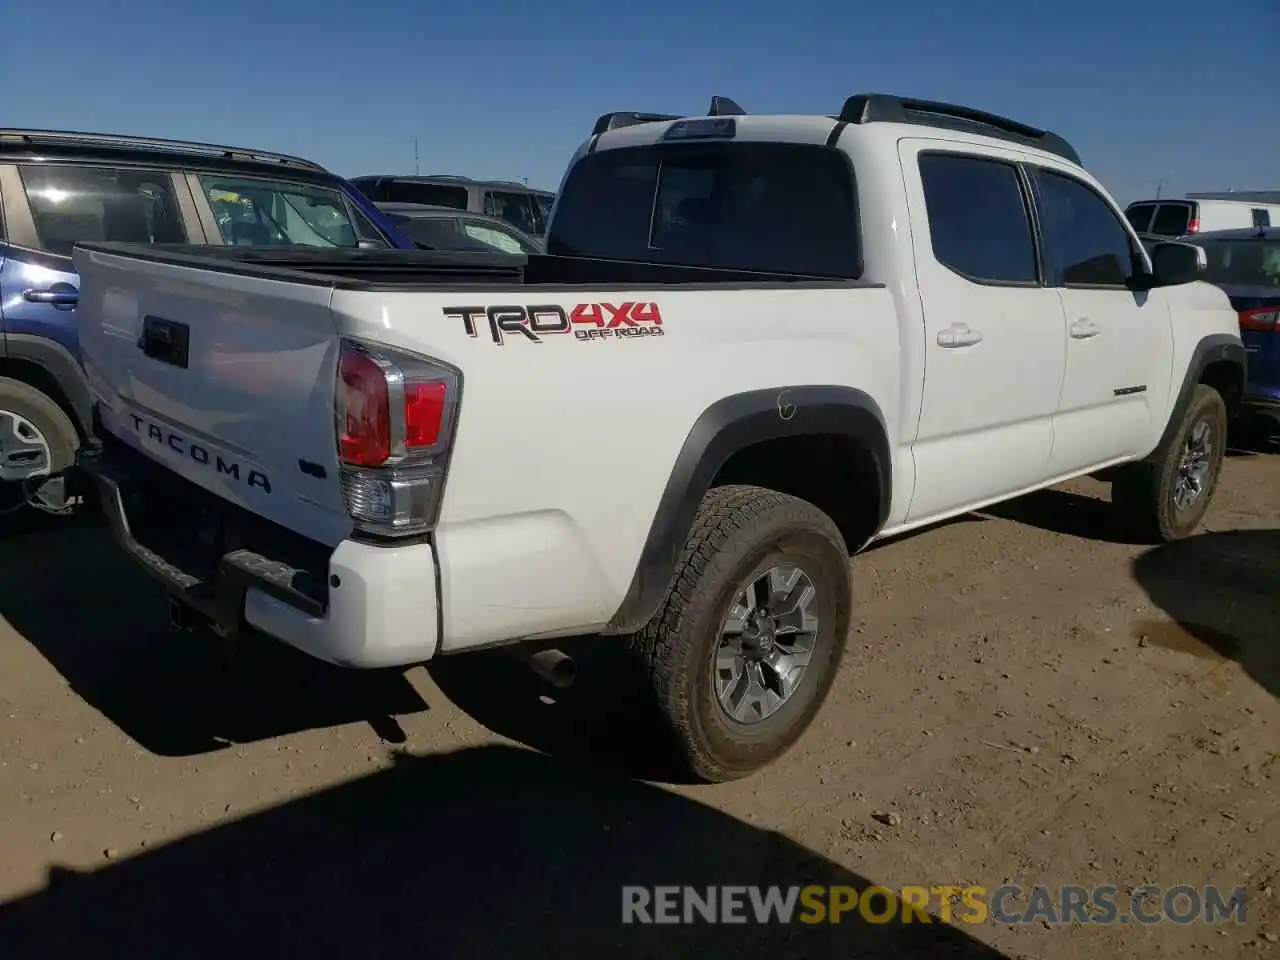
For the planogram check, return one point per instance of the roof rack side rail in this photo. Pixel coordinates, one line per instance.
(724, 107)
(126, 140)
(627, 118)
(885, 108)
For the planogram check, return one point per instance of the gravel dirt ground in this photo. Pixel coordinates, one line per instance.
(1027, 698)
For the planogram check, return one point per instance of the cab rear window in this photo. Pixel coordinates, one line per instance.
(768, 207)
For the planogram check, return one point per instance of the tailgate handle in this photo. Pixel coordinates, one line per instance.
(165, 340)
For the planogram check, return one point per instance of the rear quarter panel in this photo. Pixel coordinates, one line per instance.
(564, 446)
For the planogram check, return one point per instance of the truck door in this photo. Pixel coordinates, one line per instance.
(994, 337)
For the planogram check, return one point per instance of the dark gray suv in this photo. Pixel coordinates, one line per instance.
(524, 207)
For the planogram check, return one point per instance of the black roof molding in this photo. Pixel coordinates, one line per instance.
(35, 139)
(886, 108)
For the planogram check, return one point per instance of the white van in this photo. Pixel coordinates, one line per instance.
(1203, 212)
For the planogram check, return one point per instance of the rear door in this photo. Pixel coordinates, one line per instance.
(48, 207)
(1173, 219)
(994, 350)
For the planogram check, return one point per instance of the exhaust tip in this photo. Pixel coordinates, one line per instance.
(554, 666)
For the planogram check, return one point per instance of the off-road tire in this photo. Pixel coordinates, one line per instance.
(739, 532)
(1142, 493)
(59, 432)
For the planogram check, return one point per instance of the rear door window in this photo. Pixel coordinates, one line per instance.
(70, 203)
(1171, 219)
(769, 207)
(979, 223)
(430, 194)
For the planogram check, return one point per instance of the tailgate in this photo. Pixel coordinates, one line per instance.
(224, 378)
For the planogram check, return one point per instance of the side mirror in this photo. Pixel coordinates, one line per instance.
(1174, 262)
(372, 245)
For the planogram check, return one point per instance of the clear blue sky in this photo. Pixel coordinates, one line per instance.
(1184, 91)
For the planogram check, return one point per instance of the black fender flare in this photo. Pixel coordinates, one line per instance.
(1213, 348)
(58, 362)
(726, 427)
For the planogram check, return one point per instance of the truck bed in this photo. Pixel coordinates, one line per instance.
(401, 270)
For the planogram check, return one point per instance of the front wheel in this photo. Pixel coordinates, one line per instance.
(38, 445)
(1167, 500)
(742, 653)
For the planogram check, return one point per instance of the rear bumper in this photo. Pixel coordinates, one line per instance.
(356, 605)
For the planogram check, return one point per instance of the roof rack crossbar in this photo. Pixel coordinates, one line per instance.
(125, 140)
(885, 108)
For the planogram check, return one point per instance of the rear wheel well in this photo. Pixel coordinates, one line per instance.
(1227, 378)
(835, 473)
(37, 376)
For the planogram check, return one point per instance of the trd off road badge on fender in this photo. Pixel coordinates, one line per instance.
(586, 321)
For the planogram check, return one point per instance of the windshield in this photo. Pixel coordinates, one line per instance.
(252, 212)
(1243, 263)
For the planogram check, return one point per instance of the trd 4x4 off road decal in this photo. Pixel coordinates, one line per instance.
(586, 321)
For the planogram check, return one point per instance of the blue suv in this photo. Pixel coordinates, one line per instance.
(1246, 265)
(57, 188)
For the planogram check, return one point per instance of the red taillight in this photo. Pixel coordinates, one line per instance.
(424, 412)
(364, 411)
(1264, 319)
(1194, 225)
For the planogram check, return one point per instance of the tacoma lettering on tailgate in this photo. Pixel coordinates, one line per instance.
(179, 444)
(586, 321)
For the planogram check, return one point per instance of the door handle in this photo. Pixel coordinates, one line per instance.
(67, 297)
(958, 335)
(1084, 328)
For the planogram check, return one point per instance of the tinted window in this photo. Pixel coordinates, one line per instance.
(783, 208)
(255, 213)
(437, 233)
(1139, 216)
(1087, 244)
(978, 218)
(1171, 220)
(1243, 263)
(518, 209)
(99, 203)
(431, 194)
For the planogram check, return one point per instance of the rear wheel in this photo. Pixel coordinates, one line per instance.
(38, 444)
(1167, 500)
(744, 650)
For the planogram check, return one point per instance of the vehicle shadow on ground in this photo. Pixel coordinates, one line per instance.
(1222, 591)
(103, 624)
(489, 852)
(1252, 440)
(1064, 512)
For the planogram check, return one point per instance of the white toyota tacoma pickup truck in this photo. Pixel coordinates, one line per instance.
(755, 345)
